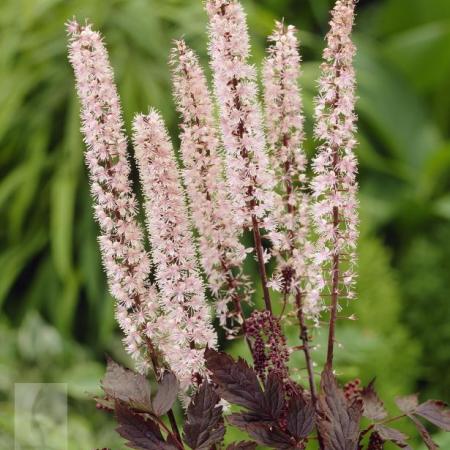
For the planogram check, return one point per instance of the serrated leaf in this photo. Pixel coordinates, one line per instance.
(274, 395)
(300, 418)
(408, 403)
(105, 403)
(263, 433)
(392, 435)
(436, 412)
(242, 445)
(338, 420)
(204, 422)
(373, 406)
(375, 442)
(127, 386)
(426, 437)
(140, 433)
(237, 382)
(166, 395)
(241, 420)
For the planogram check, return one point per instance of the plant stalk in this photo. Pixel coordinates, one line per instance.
(261, 264)
(304, 337)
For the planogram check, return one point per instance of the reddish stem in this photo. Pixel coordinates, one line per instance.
(261, 264)
(304, 337)
(336, 256)
(334, 299)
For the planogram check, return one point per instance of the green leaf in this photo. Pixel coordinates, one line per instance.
(64, 312)
(442, 207)
(422, 54)
(395, 113)
(14, 259)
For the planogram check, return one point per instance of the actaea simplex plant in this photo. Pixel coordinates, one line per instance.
(247, 172)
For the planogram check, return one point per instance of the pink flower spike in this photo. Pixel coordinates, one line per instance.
(250, 179)
(186, 327)
(121, 238)
(334, 186)
(284, 118)
(222, 254)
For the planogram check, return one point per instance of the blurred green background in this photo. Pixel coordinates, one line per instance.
(56, 318)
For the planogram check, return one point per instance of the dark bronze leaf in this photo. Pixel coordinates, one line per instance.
(375, 442)
(408, 403)
(338, 421)
(241, 420)
(166, 395)
(373, 406)
(300, 418)
(105, 403)
(426, 437)
(204, 423)
(392, 435)
(140, 433)
(436, 412)
(242, 445)
(274, 395)
(264, 433)
(237, 382)
(127, 386)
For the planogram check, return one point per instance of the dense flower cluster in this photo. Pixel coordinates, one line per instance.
(186, 326)
(335, 167)
(222, 254)
(232, 183)
(284, 119)
(311, 226)
(250, 178)
(121, 239)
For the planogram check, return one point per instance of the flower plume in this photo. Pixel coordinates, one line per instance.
(121, 238)
(284, 120)
(250, 178)
(186, 327)
(335, 167)
(222, 254)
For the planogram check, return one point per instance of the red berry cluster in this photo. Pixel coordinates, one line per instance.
(270, 351)
(352, 390)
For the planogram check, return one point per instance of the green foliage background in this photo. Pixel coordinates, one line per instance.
(56, 315)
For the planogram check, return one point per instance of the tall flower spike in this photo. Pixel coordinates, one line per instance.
(121, 239)
(186, 327)
(335, 166)
(284, 120)
(222, 254)
(250, 179)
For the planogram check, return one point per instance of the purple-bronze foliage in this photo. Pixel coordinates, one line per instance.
(244, 171)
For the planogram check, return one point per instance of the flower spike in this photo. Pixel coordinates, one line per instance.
(121, 239)
(222, 254)
(335, 166)
(186, 327)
